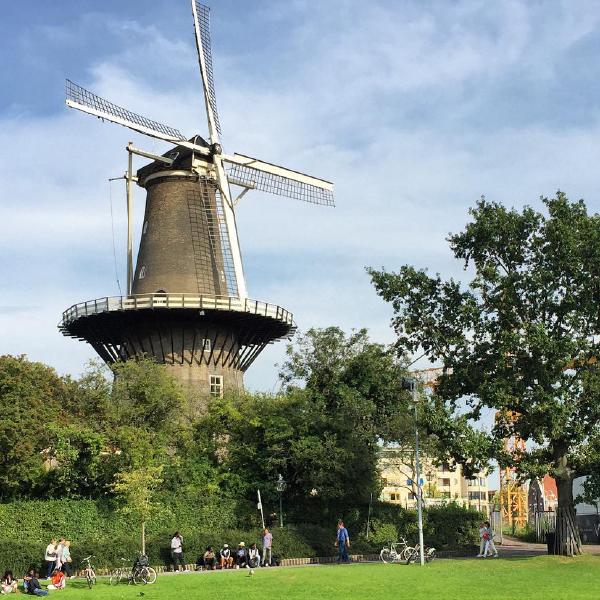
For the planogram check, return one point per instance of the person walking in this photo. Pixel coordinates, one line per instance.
(50, 558)
(267, 545)
(490, 547)
(66, 560)
(342, 542)
(482, 540)
(177, 552)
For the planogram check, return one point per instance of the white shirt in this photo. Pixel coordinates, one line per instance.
(50, 553)
(176, 544)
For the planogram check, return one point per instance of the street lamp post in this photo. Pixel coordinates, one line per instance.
(280, 485)
(410, 383)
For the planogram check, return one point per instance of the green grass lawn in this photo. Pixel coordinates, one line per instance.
(519, 578)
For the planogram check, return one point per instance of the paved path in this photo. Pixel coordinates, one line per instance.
(512, 547)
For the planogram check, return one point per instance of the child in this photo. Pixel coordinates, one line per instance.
(59, 580)
(8, 584)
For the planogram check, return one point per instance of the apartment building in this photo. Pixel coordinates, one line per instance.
(441, 483)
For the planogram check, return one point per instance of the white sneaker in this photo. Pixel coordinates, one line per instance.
(479, 555)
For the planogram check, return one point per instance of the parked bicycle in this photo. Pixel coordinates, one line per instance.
(414, 556)
(396, 552)
(139, 573)
(88, 571)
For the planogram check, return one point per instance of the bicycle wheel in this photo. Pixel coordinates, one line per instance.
(150, 574)
(430, 554)
(139, 576)
(90, 577)
(386, 555)
(405, 553)
(412, 557)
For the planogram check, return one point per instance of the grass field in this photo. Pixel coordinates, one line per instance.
(516, 578)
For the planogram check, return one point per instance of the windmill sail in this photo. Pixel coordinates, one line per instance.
(88, 102)
(203, 44)
(274, 179)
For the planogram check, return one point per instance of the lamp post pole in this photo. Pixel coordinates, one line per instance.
(410, 383)
(280, 485)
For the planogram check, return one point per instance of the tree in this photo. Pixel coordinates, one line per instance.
(521, 339)
(31, 397)
(136, 490)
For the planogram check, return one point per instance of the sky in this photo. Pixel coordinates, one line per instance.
(414, 109)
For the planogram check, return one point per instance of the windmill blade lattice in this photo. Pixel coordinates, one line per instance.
(86, 101)
(203, 26)
(280, 185)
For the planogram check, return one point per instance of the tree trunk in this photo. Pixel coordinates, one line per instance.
(143, 537)
(567, 541)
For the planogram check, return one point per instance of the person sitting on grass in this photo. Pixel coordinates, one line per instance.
(58, 580)
(253, 557)
(210, 560)
(32, 584)
(9, 583)
(225, 557)
(241, 556)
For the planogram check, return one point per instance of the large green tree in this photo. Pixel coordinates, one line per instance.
(520, 338)
(31, 398)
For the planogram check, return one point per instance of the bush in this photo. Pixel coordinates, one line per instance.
(94, 527)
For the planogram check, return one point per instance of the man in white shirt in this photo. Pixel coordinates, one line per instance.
(177, 553)
(50, 557)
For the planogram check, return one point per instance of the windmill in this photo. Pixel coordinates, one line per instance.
(187, 303)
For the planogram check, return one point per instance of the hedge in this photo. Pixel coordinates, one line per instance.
(94, 527)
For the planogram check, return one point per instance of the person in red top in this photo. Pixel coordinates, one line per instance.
(58, 580)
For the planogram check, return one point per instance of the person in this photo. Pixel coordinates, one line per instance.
(342, 542)
(482, 540)
(58, 581)
(66, 560)
(490, 547)
(32, 585)
(8, 583)
(177, 552)
(253, 557)
(59, 552)
(50, 557)
(225, 557)
(241, 556)
(210, 560)
(267, 545)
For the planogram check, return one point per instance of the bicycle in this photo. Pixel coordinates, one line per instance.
(88, 571)
(139, 573)
(396, 552)
(428, 554)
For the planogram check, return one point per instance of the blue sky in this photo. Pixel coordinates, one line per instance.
(413, 109)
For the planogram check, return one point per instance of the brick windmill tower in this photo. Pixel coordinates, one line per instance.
(187, 304)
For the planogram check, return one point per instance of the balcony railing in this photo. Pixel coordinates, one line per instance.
(174, 301)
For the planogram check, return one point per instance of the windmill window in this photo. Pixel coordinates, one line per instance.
(216, 386)
(145, 228)
(206, 345)
(142, 272)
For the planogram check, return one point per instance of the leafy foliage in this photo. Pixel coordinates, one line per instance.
(522, 339)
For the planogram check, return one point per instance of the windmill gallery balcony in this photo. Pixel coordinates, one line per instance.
(179, 329)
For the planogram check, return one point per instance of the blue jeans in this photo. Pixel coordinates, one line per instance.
(342, 552)
(40, 592)
(50, 568)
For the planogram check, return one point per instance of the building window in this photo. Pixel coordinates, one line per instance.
(445, 468)
(142, 272)
(216, 386)
(444, 481)
(482, 481)
(394, 497)
(206, 345)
